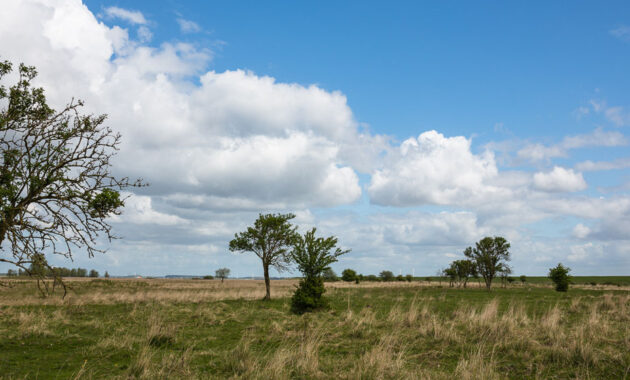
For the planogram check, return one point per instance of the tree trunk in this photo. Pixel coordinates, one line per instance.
(488, 283)
(267, 283)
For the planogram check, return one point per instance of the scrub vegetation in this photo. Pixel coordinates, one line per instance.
(152, 329)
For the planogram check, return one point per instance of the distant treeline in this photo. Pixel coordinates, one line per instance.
(55, 271)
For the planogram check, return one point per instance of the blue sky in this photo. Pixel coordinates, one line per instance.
(529, 105)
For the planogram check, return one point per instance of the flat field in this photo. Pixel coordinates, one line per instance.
(166, 329)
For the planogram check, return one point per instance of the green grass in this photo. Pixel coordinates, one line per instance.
(431, 332)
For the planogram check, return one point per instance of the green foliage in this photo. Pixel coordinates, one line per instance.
(312, 256)
(222, 273)
(208, 277)
(560, 277)
(348, 275)
(309, 296)
(106, 202)
(386, 275)
(523, 278)
(489, 256)
(106, 275)
(400, 278)
(409, 278)
(93, 273)
(270, 239)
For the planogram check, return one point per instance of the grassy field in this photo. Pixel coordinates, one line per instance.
(204, 329)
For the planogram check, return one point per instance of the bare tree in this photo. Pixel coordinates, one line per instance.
(56, 189)
(269, 239)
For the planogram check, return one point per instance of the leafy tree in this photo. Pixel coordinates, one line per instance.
(56, 189)
(523, 278)
(93, 273)
(560, 276)
(348, 275)
(222, 273)
(371, 277)
(386, 275)
(461, 270)
(489, 256)
(409, 278)
(312, 256)
(428, 279)
(451, 274)
(106, 274)
(329, 275)
(269, 239)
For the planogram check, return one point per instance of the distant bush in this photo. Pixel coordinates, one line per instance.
(208, 277)
(386, 275)
(560, 276)
(348, 275)
(409, 278)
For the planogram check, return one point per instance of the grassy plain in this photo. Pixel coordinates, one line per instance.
(204, 329)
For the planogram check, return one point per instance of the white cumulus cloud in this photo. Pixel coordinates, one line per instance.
(433, 169)
(559, 179)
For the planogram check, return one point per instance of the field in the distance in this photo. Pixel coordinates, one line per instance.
(204, 329)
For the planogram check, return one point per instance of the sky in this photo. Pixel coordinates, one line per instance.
(409, 130)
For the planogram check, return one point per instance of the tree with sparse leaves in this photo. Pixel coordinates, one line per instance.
(56, 188)
(270, 239)
(312, 256)
(489, 256)
(222, 273)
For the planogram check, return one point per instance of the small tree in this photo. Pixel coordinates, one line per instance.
(312, 256)
(93, 273)
(269, 239)
(386, 275)
(489, 256)
(348, 275)
(11, 273)
(451, 274)
(106, 274)
(560, 276)
(523, 279)
(329, 275)
(462, 270)
(409, 278)
(222, 273)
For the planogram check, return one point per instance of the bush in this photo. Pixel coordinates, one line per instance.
(409, 278)
(308, 296)
(386, 275)
(348, 275)
(560, 276)
(208, 277)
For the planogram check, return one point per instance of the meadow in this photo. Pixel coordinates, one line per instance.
(166, 329)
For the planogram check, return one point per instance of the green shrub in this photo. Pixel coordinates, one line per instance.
(308, 296)
(560, 276)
